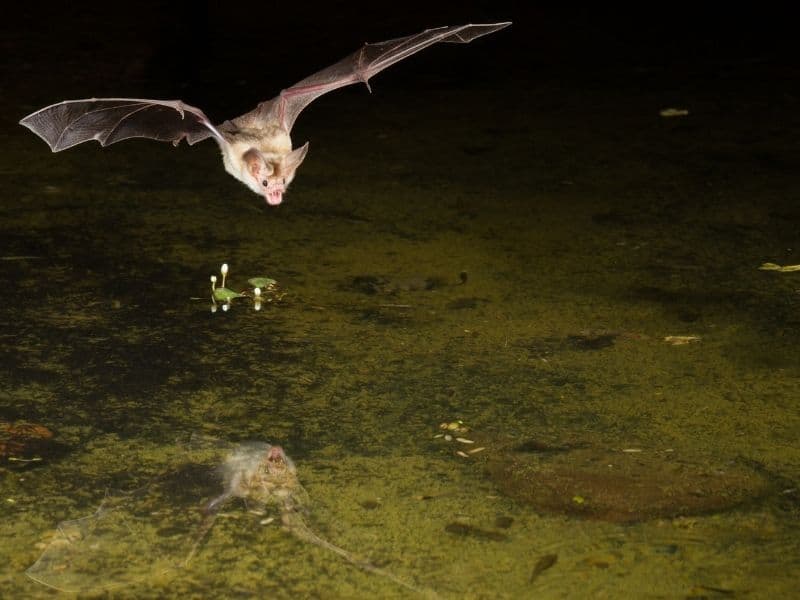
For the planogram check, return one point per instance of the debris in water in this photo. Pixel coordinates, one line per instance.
(466, 530)
(544, 563)
(673, 112)
(681, 340)
(780, 269)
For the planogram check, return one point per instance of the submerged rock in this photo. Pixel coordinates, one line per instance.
(466, 530)
(23, 443)
(620, 486)
(377, 284)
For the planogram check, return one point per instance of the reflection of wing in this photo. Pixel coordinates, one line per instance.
(359, 67)
(110, 120)
(109, 549)
(135, 536)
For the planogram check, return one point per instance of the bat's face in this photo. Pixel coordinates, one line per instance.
(268, 173)
(272, 175)
(266, 164)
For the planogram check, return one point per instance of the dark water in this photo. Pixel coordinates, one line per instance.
(571, 205)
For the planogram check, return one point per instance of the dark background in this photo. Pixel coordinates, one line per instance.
(226, 56)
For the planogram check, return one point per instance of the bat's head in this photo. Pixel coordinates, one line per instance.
(269, 174)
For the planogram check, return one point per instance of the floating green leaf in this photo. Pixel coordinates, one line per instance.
(225, 295)
(262, 282)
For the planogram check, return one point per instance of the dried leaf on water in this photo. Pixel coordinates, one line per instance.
(545, 562)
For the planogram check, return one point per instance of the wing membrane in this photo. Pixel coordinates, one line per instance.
(359, 67)
(110, 120)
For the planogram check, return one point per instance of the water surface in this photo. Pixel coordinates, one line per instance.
(571, 206)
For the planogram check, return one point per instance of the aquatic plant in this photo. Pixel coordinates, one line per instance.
(264, 289)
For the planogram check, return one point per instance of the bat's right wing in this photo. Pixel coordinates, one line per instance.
(359, 67)
(110, 120)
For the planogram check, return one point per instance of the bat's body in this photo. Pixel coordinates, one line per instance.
(256, 147)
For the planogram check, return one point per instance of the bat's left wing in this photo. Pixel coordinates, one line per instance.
(369, 60)
(110, 120)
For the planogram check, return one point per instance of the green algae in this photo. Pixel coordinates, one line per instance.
(610, 221)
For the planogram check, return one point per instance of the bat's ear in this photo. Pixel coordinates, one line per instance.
(292, 160)
(254, 161)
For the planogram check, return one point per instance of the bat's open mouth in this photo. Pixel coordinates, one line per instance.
(274, 195)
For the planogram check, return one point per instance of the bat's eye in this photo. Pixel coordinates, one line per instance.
(265, 183)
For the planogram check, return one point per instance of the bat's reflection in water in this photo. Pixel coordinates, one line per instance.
(138, 535)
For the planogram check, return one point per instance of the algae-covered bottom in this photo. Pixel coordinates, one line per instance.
(531, 278)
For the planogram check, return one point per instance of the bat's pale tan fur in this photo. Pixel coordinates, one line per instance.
(262, 158)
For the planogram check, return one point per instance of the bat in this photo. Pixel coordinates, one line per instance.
(256, 147)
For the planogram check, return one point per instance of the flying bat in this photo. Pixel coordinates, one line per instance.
(256, 147)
